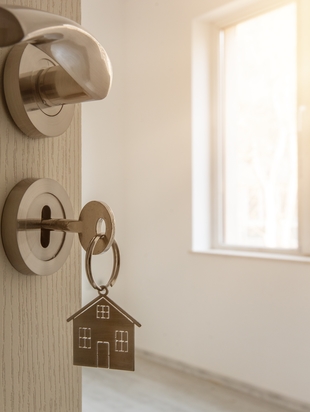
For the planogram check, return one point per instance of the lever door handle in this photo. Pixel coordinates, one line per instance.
(54, 63)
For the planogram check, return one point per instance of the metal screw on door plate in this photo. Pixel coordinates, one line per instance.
(37, 226)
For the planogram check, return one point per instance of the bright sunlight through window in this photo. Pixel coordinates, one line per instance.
(258, 153)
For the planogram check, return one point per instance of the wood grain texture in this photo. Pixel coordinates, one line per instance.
(37, 373)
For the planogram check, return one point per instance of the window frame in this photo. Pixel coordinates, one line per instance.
(206, 128)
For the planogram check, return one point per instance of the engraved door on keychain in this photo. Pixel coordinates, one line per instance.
(103, 333)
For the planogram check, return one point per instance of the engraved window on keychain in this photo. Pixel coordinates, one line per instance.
(102, 327)
(85, 338)
(121, 341)
(103, 312)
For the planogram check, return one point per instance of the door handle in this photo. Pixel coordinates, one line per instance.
(54, 63)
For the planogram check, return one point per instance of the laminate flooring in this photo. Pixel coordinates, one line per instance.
(157, 388)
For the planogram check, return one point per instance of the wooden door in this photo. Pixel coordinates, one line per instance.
(37, 374)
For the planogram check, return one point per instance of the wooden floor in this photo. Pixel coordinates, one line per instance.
(155, 388)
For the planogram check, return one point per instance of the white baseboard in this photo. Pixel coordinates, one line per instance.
(236, 385)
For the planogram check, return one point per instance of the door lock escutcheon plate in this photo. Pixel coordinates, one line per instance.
(37, 226)
(30, 251)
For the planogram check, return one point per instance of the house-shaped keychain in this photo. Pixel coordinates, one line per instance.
(103, 335)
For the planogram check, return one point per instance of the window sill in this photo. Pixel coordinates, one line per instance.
(255, 255)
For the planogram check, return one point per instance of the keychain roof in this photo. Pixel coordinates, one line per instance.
(107, 300)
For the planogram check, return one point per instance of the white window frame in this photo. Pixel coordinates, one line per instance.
(206, 173)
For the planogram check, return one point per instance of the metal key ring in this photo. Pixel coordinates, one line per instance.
(116, 263)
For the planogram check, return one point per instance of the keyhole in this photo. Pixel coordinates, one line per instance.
(45, 233)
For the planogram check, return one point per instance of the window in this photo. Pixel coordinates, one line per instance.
(249, 162)
(103, 312)
(258, 128)
(85, 338)
(121, 341)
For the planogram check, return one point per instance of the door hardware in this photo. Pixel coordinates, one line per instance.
(54, 64)
(37, 226)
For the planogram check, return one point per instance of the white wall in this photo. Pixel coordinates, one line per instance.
(103, 151)
(243, 318)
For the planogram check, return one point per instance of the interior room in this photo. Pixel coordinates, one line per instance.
(200, 151)
(239, 319)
